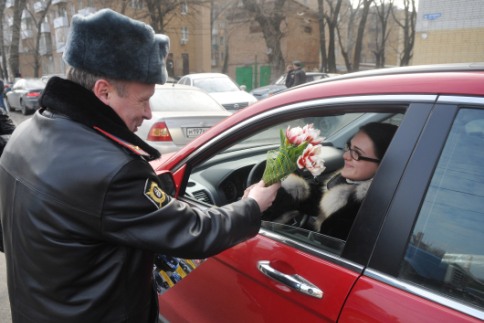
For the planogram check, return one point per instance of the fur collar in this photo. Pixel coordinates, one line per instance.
(81, 105)
(337, 197)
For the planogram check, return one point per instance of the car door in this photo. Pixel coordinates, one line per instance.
(286, 273)
(428, 261)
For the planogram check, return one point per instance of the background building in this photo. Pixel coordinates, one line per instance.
(206, 36)
(449, 31)
(187, 26)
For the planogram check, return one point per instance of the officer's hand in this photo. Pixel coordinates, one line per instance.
(264, 196)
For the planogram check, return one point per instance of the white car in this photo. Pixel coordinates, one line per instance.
(180, 114)
(221, 88)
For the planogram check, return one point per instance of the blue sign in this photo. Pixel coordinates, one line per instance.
(432, 16)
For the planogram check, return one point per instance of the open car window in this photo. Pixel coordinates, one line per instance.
(223, 178)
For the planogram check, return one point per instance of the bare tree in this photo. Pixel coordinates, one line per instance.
(38, 21)
(157, 11)
(322, 36)
(383, 10)
(161, 12)
(270, 16)
(3, 69)
(360, 34)
(227, 9)
(408, 26)
(332, 18)
(345, 33)
(13, 60)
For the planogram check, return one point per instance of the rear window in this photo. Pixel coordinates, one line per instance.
(183, 100)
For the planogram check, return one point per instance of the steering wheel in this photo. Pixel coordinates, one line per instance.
(293, 218)
(256, 173)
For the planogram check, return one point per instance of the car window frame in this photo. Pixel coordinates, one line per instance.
(392, 242)
(379, 103)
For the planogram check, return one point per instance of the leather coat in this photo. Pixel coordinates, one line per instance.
(83, 215)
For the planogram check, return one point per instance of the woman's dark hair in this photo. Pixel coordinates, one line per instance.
(381, 135)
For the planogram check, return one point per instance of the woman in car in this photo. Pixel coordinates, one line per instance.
(332, 207)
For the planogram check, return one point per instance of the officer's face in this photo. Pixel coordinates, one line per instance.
(132, 104)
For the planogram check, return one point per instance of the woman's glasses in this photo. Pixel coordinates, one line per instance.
(357, 156)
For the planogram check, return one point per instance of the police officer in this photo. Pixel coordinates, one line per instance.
(81, 208)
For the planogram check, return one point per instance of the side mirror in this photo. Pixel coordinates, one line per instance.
(167, 183)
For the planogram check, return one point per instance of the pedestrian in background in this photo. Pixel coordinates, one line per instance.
(289, 75)
(2, 93)
(83, 213)
(6, 129)
(299, 73)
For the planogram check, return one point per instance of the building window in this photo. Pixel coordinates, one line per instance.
(184, 35)
(136, 4)
(184, 8)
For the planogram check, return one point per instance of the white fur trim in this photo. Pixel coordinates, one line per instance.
(335, 199)
(362, 189)
(297, 187)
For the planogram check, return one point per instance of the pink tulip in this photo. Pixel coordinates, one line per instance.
(312, 134)
(312, 160)
(295, 136)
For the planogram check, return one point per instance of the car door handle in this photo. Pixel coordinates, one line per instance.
(295, 282)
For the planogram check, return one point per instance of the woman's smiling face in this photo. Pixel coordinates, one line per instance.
(360, 170)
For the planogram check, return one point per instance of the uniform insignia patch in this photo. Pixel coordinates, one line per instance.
(155, 194)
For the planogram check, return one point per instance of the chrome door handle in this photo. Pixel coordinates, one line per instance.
(295, 282)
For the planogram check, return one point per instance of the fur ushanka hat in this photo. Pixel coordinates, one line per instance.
(109, 44)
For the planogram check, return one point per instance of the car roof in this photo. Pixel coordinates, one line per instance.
(448, 79)
(432, 68)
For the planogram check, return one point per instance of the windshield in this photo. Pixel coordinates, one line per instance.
(328, 125)
(219, 84)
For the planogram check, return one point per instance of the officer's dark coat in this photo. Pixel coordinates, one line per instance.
(82, 215)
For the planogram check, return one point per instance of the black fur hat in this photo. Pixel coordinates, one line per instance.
(109, 44)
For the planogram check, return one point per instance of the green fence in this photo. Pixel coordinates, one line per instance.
(245, 76)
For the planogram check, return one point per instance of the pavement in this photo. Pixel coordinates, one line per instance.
(5, 315)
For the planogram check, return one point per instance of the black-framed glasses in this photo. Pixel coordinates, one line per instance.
(356, 155)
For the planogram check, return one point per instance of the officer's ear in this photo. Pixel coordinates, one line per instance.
(103, 90)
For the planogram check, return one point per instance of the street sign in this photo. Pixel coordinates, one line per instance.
(432, 16)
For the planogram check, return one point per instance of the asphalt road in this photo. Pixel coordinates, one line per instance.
(5, 315)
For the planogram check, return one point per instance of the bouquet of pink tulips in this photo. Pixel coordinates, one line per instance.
(300, 148)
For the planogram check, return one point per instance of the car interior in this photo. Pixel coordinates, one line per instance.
(222, 178)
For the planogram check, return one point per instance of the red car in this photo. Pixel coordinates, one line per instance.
(415, 252)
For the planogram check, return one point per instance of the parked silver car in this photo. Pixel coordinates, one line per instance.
(222, 88)
(180, 114)
(24, 95)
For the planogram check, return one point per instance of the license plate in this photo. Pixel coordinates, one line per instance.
(195, 132)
